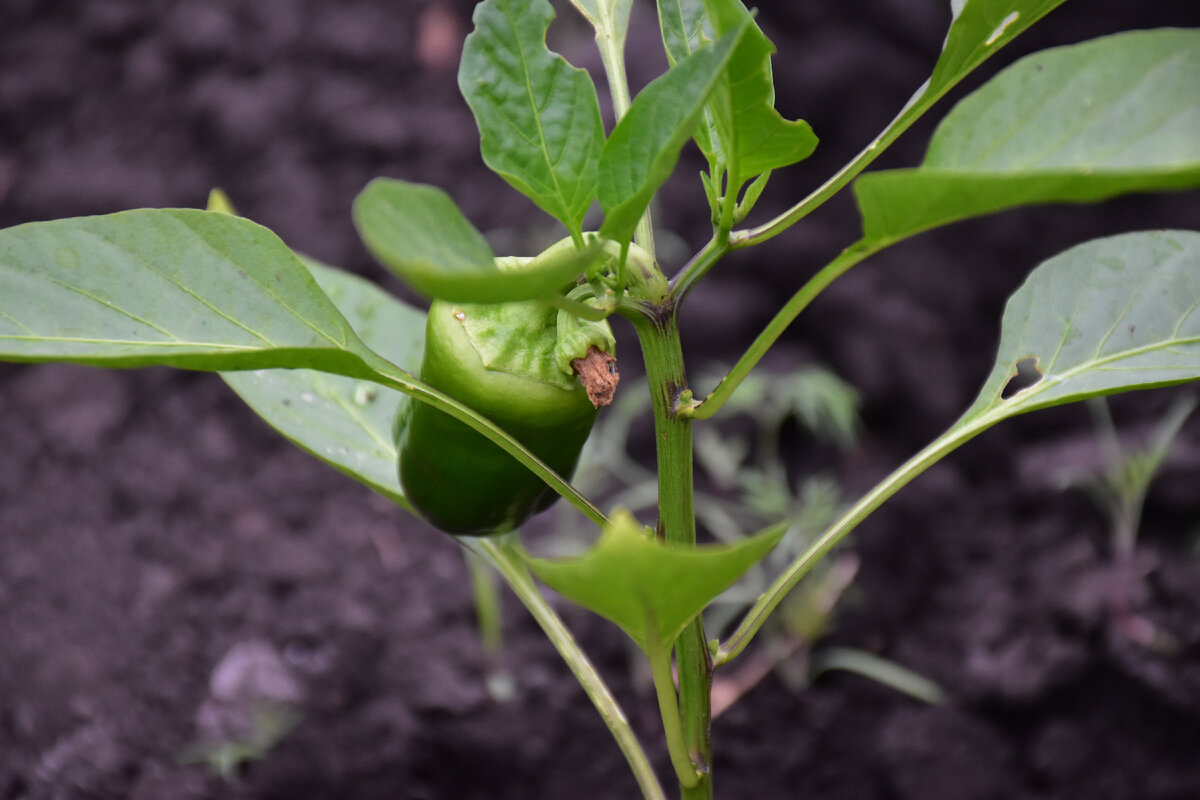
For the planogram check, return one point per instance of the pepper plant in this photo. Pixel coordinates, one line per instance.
(328, 359)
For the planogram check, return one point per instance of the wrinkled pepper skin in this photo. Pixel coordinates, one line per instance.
(457, 479)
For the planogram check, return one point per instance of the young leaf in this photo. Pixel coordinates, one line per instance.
(1106, 316)
(418, 233)
(1072, 124)
(538, 117)
(755, 138)
(684, 30)
(651, 591)
(345, 422)
(643, 149)
(176, 287)
(683, 27)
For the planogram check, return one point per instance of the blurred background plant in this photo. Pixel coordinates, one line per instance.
(1119, 487)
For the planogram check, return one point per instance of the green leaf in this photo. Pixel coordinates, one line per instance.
(684, 29)
(418, 233)
(651, 591)
(1072, 124)
(643, 149)
(539, 117)
(1106, 316)
(195, 289)
(176, 287)
(979, 28)
(345, 422)
(755, 138)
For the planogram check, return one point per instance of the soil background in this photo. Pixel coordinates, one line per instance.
(152, 529)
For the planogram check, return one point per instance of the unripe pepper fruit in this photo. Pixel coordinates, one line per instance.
(512, 363)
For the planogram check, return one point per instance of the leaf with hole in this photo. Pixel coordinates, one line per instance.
(1071, 124)
(1106, 316)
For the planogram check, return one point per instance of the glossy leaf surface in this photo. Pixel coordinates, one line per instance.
(176, 287)
(1072, 124)
(643, 149)
(650, 590)
(345, 422)
(538, 117)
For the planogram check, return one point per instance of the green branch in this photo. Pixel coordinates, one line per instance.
(767, 602)
(771, 333)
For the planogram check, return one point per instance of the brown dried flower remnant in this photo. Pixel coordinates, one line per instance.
(598, 373)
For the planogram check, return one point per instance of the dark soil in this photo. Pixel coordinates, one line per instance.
(152, 529)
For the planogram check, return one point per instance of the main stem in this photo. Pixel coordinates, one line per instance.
(658, 334)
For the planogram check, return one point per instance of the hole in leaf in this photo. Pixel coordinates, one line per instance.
(1027, 375)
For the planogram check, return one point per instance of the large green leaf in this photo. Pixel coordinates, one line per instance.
(755, 138)
(195, 289)
(185, 288)
(345, 422)
(1106, 316)
(418, 233)
(650, 590)
(1072, 124)
(538, 117)
(643, 149)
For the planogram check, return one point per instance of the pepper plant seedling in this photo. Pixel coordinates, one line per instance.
(207, 290)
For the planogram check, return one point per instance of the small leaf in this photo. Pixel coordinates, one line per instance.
(650, 590)
(175, 287)
(345, 422)
(684, 31)
(539, 117)
(1106, 316)
(683, 27)
(643, 149)
(755, 138)
(1072, 124)
(418, 233)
